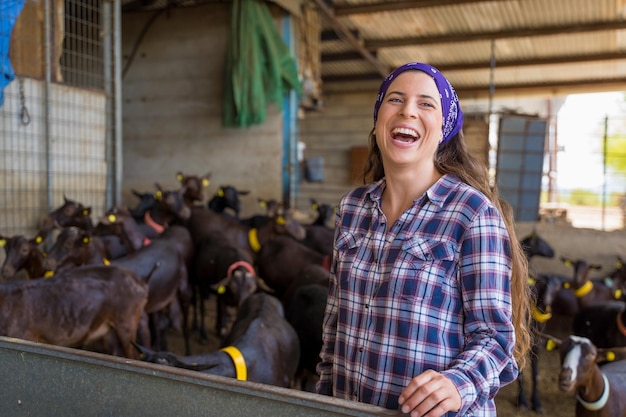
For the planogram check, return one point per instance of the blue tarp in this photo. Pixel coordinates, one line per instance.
(9, 11)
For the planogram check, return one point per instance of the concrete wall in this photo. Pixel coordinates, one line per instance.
(172, 110)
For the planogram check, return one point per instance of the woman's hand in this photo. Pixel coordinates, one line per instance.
(430, 394)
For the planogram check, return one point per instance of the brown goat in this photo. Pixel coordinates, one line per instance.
(22, 254)
(588, 291)
(600, 390)
(204, 221)
(76, 308)
(265, 346)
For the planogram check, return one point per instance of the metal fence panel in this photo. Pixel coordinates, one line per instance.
(57, 129)
(52, 381)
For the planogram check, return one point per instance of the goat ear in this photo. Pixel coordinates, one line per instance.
(611, 354)
(220, 287)
(552, 342)
(263, 285)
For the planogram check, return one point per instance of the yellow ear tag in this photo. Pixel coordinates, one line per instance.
(618, 265)
(610, 356)
(220, 193)
(566, 285)
(85, 212)
(314, 206)
(3, 243)
(106, 261)
(550, 345)
(618, 293)
(567, 263)
(221, 289)
(85, 239)
(531, 281)
(38, 239)
(280, 220)
(262, 204)
(158, 195)
(205, 182)
(179, 177)
(112, 218)
(48, 274)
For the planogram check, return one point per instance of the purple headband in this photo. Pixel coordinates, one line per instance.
(450, 106)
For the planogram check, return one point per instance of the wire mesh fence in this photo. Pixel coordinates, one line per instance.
(56, 118)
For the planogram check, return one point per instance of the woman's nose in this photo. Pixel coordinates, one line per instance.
(409, 109)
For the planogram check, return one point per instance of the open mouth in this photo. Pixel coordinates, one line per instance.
(404, 134)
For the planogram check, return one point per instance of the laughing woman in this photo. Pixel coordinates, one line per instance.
(428, 302)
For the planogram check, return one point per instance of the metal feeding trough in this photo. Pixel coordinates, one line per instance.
(51, 381)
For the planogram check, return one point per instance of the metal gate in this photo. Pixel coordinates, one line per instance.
(520, 164)
(60, 121)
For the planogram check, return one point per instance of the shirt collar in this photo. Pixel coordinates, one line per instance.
(437, 193)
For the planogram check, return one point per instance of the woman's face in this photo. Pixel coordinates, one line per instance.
(409, 125)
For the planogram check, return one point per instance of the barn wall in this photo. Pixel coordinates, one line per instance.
(172, 110)
(343, 123)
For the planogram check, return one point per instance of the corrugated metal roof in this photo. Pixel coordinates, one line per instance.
(539, 47)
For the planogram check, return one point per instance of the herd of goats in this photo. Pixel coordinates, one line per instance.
(119, 286)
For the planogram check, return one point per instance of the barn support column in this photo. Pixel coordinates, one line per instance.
(46, 101)
(291, 165)
(111, 22)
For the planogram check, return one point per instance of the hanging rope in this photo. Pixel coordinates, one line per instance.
(24, 114)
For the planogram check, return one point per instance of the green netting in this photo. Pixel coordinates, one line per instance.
(259, 67)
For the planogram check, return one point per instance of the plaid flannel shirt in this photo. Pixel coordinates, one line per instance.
(431, 291)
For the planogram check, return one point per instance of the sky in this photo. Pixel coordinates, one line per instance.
(580, 127)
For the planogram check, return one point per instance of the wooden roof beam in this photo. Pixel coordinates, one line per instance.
(502, 34)
(485, 64)
(345, 33)
(388, 6)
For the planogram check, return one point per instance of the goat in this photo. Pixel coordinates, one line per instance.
(224, 268)
(75, 247)
(204, 222)
(324, 214)
(22, 254)
(281, 261)
(603, 324)
(305, 303)
(543, 289)
(194, 186)
(586, 290)
(167, 285)
(169, 208)
(76, 307)
(146, 202)
(261, 347)
(226, 197)
(319, 238)
(70, 213)
(600, 390)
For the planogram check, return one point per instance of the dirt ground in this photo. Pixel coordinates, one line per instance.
(596, 246)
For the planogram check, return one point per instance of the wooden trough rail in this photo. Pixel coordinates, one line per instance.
(51, 381)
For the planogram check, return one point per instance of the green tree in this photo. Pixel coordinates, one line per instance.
(616, 153)
(579, 197)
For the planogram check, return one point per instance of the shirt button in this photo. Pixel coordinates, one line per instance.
(360, 349)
